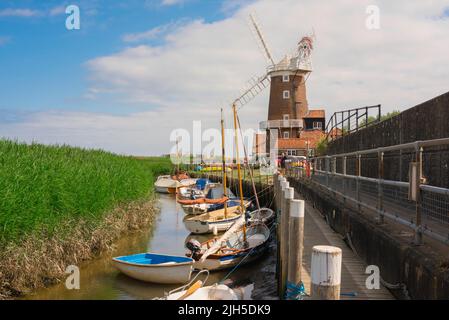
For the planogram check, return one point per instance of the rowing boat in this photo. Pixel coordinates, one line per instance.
(214, 221)
(156, 268)
(265, 215)
(230, 249)
(195, 290)
(168, 184)
(213, 292)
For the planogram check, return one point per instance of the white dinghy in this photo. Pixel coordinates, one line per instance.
(156, 268)
(214, 221)
(196, 291)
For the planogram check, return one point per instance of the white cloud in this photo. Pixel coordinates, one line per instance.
(9, 12)
(57, 10)
(172, 2)
(200, 65)
(153, 33)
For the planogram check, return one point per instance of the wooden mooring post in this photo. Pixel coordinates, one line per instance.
(283, 183)
(276, 189)
(296, 242)
(326, 273)
(288, 195)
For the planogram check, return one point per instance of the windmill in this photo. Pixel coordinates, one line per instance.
(299, 60)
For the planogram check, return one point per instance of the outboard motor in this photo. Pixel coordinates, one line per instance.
(251, 206)
(195, 247)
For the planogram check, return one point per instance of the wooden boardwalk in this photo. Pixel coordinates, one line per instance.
(353, 277)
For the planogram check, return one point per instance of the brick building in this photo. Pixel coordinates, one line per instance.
(297, 127)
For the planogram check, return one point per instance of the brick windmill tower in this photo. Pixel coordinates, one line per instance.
(290, 124)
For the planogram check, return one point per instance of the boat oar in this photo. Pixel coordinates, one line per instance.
(191, 290)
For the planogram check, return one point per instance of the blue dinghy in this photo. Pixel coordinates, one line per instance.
(157, 268)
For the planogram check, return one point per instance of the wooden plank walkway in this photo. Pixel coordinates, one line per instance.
(353, 277)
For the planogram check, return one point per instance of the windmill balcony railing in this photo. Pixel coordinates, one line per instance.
(273, 124)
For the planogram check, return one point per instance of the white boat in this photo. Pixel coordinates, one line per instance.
(190, 192)
(166, 184)
(214, 221)
(156, 268)
(265, 215)
(194, 290)
(213, 292)
(194, 209)
(231, 248)
(188, 182)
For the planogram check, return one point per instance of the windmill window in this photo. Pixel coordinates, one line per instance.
(286, 94)
(317, 125)
(285, 78)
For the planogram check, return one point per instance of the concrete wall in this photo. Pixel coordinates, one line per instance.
(425, 273)
(429, 120)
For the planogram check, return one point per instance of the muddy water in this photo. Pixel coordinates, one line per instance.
(100, 280)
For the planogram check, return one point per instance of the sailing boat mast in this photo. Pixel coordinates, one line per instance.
(223, 158)
(242, 206)
(249, 167)
(177, 157)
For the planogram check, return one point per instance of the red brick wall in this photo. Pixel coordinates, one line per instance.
(296, 106)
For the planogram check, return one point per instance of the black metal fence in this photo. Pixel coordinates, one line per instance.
(345, 122)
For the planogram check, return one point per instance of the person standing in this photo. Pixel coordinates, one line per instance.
(283, 158)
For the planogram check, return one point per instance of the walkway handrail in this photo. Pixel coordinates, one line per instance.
(411, 145)
(414, 199)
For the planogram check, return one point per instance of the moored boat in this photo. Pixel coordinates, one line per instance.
(169, 184)
(214, 221)
(166, 184)
(213, 292)
(265, 215)
(156, 268)
(236, 246)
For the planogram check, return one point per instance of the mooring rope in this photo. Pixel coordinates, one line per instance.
(249, 252)
(295, 291)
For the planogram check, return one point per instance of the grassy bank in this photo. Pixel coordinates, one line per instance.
(61, 205)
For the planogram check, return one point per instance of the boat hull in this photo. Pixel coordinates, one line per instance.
(161, 189)
(164, 273)
(236, 252)
(215, 292)
(195, 209)
(202, 227)
(230, 261)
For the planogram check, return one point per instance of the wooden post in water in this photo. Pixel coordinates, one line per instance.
(283, 183)
(296, 241)
(276, 195)
(326, 273)
(275, 189)
(289, 194)
(279, 192)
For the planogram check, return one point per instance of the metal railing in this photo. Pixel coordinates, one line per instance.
(345, 122)
(341, 176)
(292, 123)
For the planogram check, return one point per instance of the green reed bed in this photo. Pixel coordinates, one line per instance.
(42, 187)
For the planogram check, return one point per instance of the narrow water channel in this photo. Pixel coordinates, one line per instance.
(100, 280)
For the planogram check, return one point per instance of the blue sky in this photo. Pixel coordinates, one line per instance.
(43, 64)
(137, 70)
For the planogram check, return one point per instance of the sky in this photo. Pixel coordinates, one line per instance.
(137, 70)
